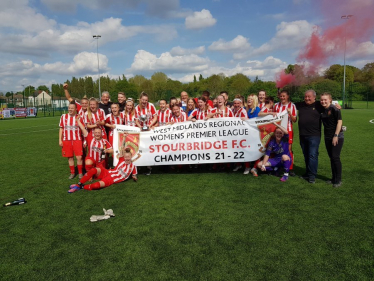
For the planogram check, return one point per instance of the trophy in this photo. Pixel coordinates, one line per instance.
(103, 155)
(144, 118)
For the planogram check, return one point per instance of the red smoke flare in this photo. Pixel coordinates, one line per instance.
(284, 79)
(327, 44)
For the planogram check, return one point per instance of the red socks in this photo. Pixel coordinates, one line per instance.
(80, 169)
(72, 170)
(92, 186)
(88, 175)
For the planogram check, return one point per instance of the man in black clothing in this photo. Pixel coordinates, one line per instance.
(105, 103)
(310, 132)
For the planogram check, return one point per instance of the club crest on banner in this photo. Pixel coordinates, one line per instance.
(128, 140)
(266, 132)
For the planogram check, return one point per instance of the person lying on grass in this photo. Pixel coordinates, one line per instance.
(278, 146)
(120, 173)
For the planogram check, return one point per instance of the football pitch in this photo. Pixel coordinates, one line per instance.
(185, 226)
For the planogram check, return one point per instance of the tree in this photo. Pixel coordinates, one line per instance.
(43, 88)
(88, 86)
(290, 69)
(201, 78)
(215, 84)
(138, 80)
(329, 86)
(268, 86)
(147, 87)
(29, 90)
(194, 78)
(159, 77)
(368, 72)
(239, 84)
(339, 75)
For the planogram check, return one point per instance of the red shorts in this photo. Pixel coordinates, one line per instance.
(290, 137)
(101, 164)
(71, 148)
(105, 177)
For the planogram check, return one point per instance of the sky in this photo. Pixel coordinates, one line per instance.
(50, 41)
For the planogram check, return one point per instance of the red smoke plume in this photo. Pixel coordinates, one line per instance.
(328, 43)
(284, 79)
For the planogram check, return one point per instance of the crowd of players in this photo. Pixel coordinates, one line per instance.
(86, 131)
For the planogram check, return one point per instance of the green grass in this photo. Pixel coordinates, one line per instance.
(198, 226)
(363, 105)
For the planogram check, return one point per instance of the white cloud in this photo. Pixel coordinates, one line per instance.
(239, 46)
(16, 14)
(179, 51)
(289, 35)
(73, 39)
(361, 51)
(265, 70)
(149, 63)
(200, 20)
(83, 64)
(239, 43)
(268, 63)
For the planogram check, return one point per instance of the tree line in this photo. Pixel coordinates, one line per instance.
(359, 84)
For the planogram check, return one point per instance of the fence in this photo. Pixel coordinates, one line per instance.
(43, 108)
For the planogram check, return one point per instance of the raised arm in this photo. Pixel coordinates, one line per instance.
(67, 95)
(284, 130)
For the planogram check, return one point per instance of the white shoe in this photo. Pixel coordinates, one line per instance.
(246, 171)
(237, 168)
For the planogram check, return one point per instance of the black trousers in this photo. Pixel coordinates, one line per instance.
(334, 154)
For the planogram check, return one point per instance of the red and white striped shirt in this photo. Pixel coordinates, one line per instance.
(129, 120)
(261, 105)
(98, 116)
(182, 118)
(80, 110)
(113, 120)
(278, 107)
(163, 117)
(122, 171)
(266, 110)
(70, 126)
(150, 111)
(95, 148)
(240, 113)
(198, 114)
(224, 113)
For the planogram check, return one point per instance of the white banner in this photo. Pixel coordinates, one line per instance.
(217, 140)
